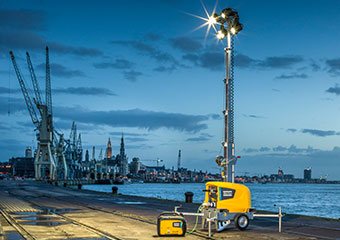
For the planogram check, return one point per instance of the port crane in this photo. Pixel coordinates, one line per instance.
(50, 161)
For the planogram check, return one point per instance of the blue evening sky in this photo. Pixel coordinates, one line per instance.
(138, 67)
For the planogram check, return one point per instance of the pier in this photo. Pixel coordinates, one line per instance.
(35, 210)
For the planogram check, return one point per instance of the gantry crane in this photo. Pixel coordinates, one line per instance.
(47, 166)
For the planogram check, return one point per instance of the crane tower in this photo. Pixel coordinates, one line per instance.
(46, 164)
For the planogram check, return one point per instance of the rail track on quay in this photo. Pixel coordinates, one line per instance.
(32, 206)
(66, 205)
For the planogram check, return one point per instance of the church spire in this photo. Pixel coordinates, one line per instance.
(109, 149)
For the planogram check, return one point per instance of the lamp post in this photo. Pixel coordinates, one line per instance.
(229, 27)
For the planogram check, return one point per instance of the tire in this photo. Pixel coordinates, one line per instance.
(241, 222)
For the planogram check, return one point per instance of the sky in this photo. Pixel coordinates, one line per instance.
(142, 68)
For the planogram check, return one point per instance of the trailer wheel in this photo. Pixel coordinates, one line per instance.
(241, 222)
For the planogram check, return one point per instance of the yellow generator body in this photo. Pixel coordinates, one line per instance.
(171, 224)
(235, 198)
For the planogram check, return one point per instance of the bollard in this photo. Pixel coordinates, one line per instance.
(79, 186)
(65, 184)
(114, 190)
(189, 197)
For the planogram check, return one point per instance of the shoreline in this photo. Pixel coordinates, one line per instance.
(197, 203)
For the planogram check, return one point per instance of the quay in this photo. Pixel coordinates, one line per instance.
(36, 210)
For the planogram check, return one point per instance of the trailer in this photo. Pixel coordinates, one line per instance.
(224, 203)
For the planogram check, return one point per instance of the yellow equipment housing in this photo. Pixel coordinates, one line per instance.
(235, 198)
(171, 224)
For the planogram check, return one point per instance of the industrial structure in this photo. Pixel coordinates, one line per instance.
(56, 158)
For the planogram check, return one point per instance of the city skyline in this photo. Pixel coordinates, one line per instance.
(141, 69)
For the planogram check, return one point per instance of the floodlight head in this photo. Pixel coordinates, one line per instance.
(227, 12)
(219, 160)
(212, 20)
(220, 35)
(236, 28)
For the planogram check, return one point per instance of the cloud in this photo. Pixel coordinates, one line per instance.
(22, 19)
(14, 146)
(136, 139)
(292, 149)
(67, 125)
(274, 62)
(153, 37)
(292, 130)
(78, 51)
(26, 40)
(59, 70)
(117, 64)
(143, 119)
(320, 133)
(292, 76)
(202, 138)
(186, 44)
(128, 134)
(212, 60)
(264, 149)
(279, 149)
(132, 75)
(280, 62)
(149, 50)
(4, 90)
(94, 91)
(5, 127)
(315, 132)
(11, 105)
(250, 150)
(335, 90)
(70, 90)
(244, 61)
(140, 146)
(315, 66)
(165, 69)
(322, 162)
(252, 116)
(333, 66)
(215, 116)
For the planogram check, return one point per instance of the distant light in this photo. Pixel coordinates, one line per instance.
(212, 20)
(220, 35)
(233, 31)
(223, 15)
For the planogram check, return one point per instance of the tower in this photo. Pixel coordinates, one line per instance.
(123, 164)
(93, 153)
(28, 152)
(307, 174)
(179, 160)
(87, 156)
(109, 149)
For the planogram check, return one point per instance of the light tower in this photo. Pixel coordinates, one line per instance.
(179, 160)
(229, 23)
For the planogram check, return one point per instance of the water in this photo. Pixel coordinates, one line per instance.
(321, 200)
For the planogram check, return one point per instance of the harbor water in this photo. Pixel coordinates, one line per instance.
(322, 200)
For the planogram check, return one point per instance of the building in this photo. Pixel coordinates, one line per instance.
(22, 167)
(108, 150)
(307, 174)
(6, 169)
(135, 166)
(28, 152)
(121, 159)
